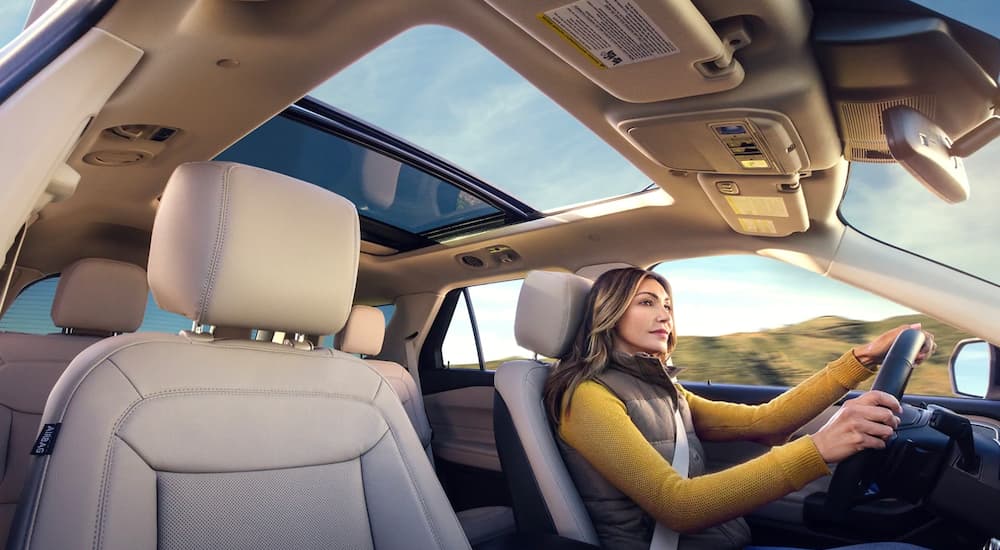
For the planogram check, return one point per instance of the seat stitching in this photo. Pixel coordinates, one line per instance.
(559, 482)
(209, 284)
(420, 497)
(134, 405)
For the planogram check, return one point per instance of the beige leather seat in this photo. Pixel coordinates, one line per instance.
(95, 298)
(186, 441)
(363, 334)
(549, 311)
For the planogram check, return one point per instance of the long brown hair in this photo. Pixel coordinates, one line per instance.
(606, 303)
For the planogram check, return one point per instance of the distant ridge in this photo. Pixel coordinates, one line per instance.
(785, 355)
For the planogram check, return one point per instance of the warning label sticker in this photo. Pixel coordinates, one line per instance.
(611, 33)
(750, 225)
(758, 206)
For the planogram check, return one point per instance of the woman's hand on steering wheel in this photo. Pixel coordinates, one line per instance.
(874, 353)
(864, 422)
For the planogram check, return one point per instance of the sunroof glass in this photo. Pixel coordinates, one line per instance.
(440, 90)
(381, 187)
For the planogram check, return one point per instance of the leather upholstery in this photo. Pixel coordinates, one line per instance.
(99, 295)
(30, 364)
(363, 333)
(139, 407)
(155, 427)
(519, 384)
(549, 310)
(94, 296)
(234, 245)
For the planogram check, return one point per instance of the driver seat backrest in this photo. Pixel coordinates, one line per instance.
(188, 441)
(549, 311)
(95, 298)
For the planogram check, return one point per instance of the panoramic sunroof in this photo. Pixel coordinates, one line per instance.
(383, 188)
(439, 89)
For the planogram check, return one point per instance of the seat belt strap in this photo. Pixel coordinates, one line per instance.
(663, 537)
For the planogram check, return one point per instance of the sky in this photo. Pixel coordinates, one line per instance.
(440, 90)
(13, 14)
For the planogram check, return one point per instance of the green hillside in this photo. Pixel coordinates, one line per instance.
(787, 355)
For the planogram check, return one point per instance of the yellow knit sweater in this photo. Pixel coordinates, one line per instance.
(599, 427)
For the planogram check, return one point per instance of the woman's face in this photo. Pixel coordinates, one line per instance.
(648, 321)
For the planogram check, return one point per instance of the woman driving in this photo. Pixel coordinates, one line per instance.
(613, 397)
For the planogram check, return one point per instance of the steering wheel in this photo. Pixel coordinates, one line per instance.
(853, 476)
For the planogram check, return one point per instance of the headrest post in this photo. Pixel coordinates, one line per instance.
(301, 341)
(202, 329)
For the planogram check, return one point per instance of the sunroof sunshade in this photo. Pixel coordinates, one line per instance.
(381, 187)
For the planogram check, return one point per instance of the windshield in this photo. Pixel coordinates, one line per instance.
(442, 91)
(887, 203)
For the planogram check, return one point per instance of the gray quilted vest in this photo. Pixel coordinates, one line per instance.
(619, 522)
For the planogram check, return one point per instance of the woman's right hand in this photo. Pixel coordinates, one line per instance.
(864, 422)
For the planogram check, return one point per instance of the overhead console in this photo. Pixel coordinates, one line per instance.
(618, 44)
(726, 141)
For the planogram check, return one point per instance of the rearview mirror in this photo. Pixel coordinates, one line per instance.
(924, 150)
(972, 367)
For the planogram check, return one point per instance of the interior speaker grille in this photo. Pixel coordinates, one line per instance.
(862, 126)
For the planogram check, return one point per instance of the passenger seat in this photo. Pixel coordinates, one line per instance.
(95, 298)
(363, 334)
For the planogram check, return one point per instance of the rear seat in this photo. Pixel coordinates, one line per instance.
(95, 298)
(363, 334)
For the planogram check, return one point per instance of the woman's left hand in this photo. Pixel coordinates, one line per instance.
(874, 352)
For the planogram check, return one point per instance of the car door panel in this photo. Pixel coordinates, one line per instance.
(462, 422)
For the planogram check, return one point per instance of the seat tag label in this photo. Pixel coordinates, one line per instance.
(46, 439)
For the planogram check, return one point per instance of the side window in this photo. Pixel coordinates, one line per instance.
(758, 321)
(158, 320)
(31, 312)
(481, 332)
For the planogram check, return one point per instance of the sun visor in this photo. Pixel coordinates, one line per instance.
(762, 206)
(621, 44)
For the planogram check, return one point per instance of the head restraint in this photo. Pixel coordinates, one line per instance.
(98, 295)
(363, 333)
(549, 311)
(235, 245)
